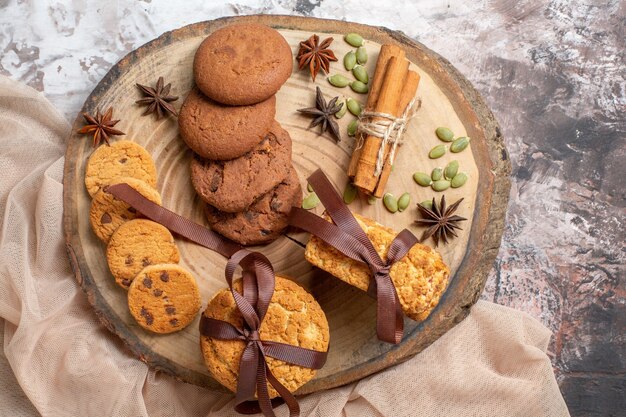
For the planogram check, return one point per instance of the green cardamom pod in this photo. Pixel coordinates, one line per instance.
(371, 200)
(437, 174)
(310, 202)
(458, 180)
(422, 179)
(459, 144)
(451, 169)
(404, 201)
(441, 185)
(444, 134)
(349, 60)
(354, 107)
(361, 55)
(352, 127)
(437, 152)
(342, 111)
(339, 80)
(427, 204)
(354, 39)
(390, 202)
(349, 194)
(359, 87)
(360, 73)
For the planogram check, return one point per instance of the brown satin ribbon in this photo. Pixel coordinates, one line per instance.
(349, 238)
(254, 374)
(258, 286)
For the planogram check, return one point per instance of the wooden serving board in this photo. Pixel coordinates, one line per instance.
(448, 99)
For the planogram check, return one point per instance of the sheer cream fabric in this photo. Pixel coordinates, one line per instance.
(66, 364)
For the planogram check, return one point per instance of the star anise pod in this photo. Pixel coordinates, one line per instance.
(101, 125)
(157, 99)
(316, 55)
(440, 221)
(323, 114)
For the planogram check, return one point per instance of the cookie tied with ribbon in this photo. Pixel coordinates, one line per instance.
(405, 276)
(265, 336)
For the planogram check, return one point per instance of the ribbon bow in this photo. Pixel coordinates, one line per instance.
(254, 373)
(258, 286)
(349, 238)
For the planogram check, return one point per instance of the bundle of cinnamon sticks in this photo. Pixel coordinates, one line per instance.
(392, 88)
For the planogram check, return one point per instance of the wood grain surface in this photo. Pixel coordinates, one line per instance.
(448, 100)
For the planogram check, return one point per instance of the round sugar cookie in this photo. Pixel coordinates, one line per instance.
(164, 298)
(232, 186)
(265, 220)
(215, 131)
(122, 159)
(137, 244)
(293, 317)
(107, 213)
(242, 64)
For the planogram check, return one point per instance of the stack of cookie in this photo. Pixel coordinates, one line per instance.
(242, 164)
(163, 297)
(420, 277)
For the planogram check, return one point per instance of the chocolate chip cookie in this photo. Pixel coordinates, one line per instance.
(122, 159)
(242, 64)
(265, 220)
(215, 131)
(136, 244)
(293, 317)
(107, 213)
(164, 298)
(232, 186)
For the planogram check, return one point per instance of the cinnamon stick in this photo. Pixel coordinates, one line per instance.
(386, 52)
(393, 81)
(408, 93)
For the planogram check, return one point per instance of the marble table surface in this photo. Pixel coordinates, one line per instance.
(554, 74)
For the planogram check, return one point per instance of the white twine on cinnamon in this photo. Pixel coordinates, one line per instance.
(387, 127)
